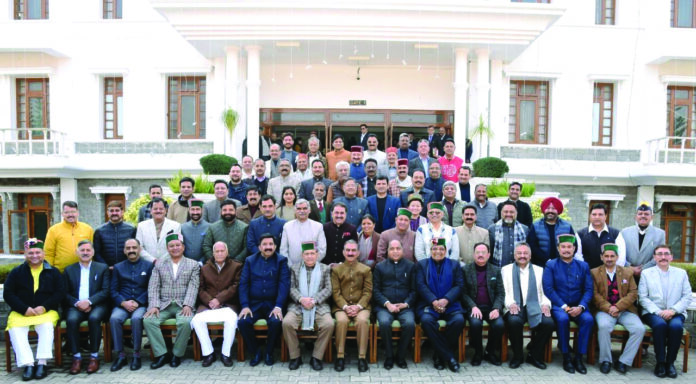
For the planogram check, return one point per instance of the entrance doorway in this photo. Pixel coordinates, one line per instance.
(32, 218)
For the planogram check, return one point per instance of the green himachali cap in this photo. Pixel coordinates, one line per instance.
(610, 247)
(174, 236)
(307, 246)
(196, 203)
(436, 206)
(566, 238)
(404, 212)
(439, 241)
(33, 243)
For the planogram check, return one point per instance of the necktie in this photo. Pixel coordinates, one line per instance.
(321, 206)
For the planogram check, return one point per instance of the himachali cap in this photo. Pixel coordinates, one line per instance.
(415, 196)
(552, 201)
(644, 206)
(174, 236)
(307, 246)
(404, 212)
(565, 238)
(610, 247)
(402, 162)
(436, 205)
(33, 243)
(390, 150)
(196, 203)
(356, 148)
(439, 241)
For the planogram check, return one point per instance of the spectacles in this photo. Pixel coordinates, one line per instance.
(663, 253)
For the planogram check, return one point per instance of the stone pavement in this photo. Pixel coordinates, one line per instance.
(191, 372)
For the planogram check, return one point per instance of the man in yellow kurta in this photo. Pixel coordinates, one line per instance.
(62, 238)
(33, 290)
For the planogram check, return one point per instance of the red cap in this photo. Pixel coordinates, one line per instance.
(402, 162)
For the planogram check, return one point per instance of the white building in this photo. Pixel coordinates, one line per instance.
(581, 95)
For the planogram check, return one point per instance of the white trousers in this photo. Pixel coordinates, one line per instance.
(20, 343)
(200, 324)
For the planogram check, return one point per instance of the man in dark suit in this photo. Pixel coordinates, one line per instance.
(423, 161)
(418, 181)
(433, 141)
(87, 287)
(443, 136)
(318, 209)
(337, 232)
(484, 295)
(307, 186)
(382, 206)
(524, 212)
(364, 133)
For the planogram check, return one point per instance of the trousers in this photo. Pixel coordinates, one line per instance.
(22, 349)
(200, 324)
(540, 334)
(154, 332)
(94, 318)
(665, 334)
(324, 325)
(407, 322)
(606, 323)
(584, 321)
(362, 324)
(246, 328)
(443, 342)
(495, 331)
(118, 317)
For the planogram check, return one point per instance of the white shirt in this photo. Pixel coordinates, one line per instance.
(379, 156)
(620, 243)
(524, 283)
(249, 175)
(306, 175)
(405, 183)
(83, 293)
(175, 268)
(611, 274)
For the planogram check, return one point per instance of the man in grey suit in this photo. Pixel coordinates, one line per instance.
(211, 209)
(636, 243)
(172, 293)
(307, 186)
(423, 161)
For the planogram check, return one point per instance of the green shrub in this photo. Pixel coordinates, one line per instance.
(202, 185)
(217, 164)
(690, 271)
(490, 167)
(5, 270)
(131, 214)
(500, 189)
(537, 214)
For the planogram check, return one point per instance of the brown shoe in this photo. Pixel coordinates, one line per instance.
(93, 365)
(76, 366)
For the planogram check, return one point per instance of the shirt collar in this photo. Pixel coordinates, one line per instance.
(605, 229)
(87, 267)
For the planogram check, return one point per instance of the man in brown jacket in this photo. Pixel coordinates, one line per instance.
(251, 210)
(615, 295)
(218, 302)
(351, 283)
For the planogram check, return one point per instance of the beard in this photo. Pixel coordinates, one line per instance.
(196, 216)
(228, 218)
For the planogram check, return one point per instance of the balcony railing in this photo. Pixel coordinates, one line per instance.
(32, 141)
(670, 150)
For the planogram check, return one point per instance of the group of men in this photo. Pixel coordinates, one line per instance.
(445, 253)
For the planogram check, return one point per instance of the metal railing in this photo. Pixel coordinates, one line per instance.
(32, 141)
(670, 149)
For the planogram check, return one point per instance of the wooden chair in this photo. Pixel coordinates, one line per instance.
(574, 331)
(261, 329)
(304, 336)
(352, 334)
(84, 328)
(32, 334)
(396, 335)
(419, 337)
(526, 334)
(215, 330)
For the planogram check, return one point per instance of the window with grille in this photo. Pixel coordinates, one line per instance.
(30, 9)
(529, 106)
(113, 9)
(32, 107)
(186, 112)
(113, 108)
(681, 115)
(603, 114)
(684, 13)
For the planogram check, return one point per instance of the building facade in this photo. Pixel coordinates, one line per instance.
(591, 100)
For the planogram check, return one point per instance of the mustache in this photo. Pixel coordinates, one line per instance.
(131, 254)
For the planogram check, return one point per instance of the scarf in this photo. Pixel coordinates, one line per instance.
(365, 245)
(439, 283)
(519, 236)
(309, 289)
(532, 306)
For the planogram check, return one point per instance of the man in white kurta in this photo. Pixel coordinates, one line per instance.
(301, 230)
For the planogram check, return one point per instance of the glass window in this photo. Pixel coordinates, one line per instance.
(32, 107)
(528, 117)
(315, 117)
(681, 115)
(113, 9)
(113, 108)
(350, 117)
(602, 114)
(684, 13)
(186, 115)
(30, 9)
(418, 118)
(678, 222)
(604, 12)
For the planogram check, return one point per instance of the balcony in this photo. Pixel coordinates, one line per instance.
(670, 150)
(32, 141)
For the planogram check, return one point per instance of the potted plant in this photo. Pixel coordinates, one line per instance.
(481, 130)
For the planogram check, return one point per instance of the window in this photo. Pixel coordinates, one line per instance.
(32, 107)
(30, 9)
(681, 115)
(528, 112)
(678, 222)
(113, 108)
(113, 9)
(602, 114)
(605, 12)
(32, 218)
(186, 114)
(684, 13)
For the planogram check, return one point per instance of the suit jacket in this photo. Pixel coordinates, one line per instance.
(314, 213)
(19, 291)
(165, 288)
(244, 214)
(426, 294)
(494, 284)
(211, 209)
(321, 298)
(152, 248)
(560, 290)
(99, 284)
(417, 165)
(652, 298)
(506, 273)
(388, 219)
(644, 256)
(628, 290)
(434, 144)
(307, 187)
(427, 195)
(351, 284)
(221, 285)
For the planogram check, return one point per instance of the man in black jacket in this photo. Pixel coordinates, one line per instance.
(87, 295)
(154, 191)
(110, 237)
(524, 212)
(33, 302)
(394, 295)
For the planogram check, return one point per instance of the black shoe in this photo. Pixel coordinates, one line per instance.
(176, 361)
(362, 365)
(671, 372)
(269, 360)
(476, 360)
(340, 365)
(401, 363)
(41, 371)
(160, 361)
(605, 367)
(120, 362)
(579, 366)
(226, 361)
(568, 364)
(620, 367)
(208, 360)
(660, 370)
(295, 363)
(492, 358)
(316, 364)
(28, 373)
(515, 363)
(388, 363)
(256, 360)
(531, 360)
(437, 363)
(453, 365)
(135, 364)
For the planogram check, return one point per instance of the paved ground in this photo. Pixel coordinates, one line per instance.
(191, 372)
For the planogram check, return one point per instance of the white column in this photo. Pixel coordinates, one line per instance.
(482, 101)
(6, 104)
(460, 99)
(253, 84)
(68, 190)
(233, 144)
(498, 109)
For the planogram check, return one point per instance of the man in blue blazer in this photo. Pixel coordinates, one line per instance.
(87, 298)
(383, 206)
(569, 285)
